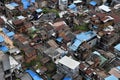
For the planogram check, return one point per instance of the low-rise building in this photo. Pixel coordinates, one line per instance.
(30, 53)
(52, 53)
(89, 37)
(96, 59)
(68, 66)
(26, 76)
(34, 75)
(6, 67)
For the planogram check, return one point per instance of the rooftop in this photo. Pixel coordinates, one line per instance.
(75, 45)
(73, 7)
(34, 75)
(4, 49)
(105, 8)
(1, 39)
(11, 6)
(68, 62)
(85, 36)
(26, 77)
(10, 34)
(38, 10)
(5, 62)
(80, 38)
(117, 47)
(103, 59)
(111, 77)
(115, 71)
(93, 3)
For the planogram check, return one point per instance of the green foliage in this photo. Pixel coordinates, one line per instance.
(80, 15)
(47, 10)
(51, 67)
(32, 63)
(83, 27)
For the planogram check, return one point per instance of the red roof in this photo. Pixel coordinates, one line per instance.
(116, 18)
(1, 21)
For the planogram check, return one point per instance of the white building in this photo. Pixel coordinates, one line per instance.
(67, 65)
(63, 4)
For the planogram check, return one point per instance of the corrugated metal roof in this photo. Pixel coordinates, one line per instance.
(93, 3)
(72, 6)
(112, 77)
(59, 39)
(85, 36)
(27, 3)
(1, 39)
(34, 75)
(4, 48)
(5, 30)
(5, 62)
(38, 10)
(75, 45)
(104, 8)
(14, 4)
(117, 47)
(103, 59)
(10, 34)
(118, 67)
(26, 77)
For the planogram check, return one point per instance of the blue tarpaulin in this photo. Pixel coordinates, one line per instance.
(73, 7)
(85, 36)
(118, 67)
(34, 75)
(95, 27)
(27, 3)
(32, 1)
(14, 4)
(112, 77)
(5, 31)
(23, 1)
(4, 48)
(59, 39)
(75, 45)
(38, 10)
(117, 47)
(67, 78)
(93, 3)
(1, 39)
(10, 34)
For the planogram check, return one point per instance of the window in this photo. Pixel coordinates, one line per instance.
(61, 64)
(90, 43)
(54, 59)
